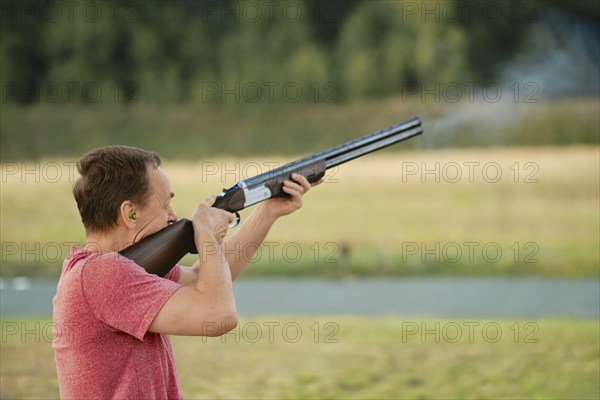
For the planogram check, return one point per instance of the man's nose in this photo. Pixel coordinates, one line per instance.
(172, 215)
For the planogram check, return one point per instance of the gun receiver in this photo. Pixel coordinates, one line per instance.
(158, 253)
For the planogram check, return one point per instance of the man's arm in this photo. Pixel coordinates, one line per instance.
(243, 243)
(239, 247)
(208, 307)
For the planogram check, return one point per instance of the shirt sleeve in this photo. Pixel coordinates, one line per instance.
(123, 295)
(174, 273)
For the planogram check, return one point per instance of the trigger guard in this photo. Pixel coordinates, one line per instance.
(237, 220)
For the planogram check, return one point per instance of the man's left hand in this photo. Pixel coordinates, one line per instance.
(296, 188)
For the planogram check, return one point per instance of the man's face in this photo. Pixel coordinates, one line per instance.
(157, 213)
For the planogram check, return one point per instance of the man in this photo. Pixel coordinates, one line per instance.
(111, 318)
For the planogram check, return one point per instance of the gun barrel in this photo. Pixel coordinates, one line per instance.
(269, 184)
(366, 144)
(346, 151)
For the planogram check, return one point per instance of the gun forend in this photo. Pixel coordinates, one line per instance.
(269, 184)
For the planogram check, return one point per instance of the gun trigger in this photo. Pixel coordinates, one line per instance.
(237, 220)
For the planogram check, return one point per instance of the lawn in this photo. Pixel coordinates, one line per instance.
(351, 357)
(192, 132)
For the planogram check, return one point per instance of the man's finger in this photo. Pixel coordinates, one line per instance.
(294, 186)
(210, 200)
(230, 216)
(301, 179)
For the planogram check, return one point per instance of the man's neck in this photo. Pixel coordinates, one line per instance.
(113, 241)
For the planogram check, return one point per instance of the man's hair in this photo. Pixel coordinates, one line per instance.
(109, 176)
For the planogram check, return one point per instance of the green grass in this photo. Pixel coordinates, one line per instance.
(354, 357)
(186, 132)
(369, 218)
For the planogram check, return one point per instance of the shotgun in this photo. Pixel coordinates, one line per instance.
(159, 252)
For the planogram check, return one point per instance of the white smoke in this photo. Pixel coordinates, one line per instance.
(560, 58)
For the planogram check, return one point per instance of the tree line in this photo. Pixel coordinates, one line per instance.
(248, 51)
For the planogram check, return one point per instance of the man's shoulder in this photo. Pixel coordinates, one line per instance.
(86, 271)
(90, 262)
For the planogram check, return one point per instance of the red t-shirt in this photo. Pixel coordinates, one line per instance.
(102, 310)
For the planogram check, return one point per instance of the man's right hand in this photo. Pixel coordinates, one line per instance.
(209, 222)
(207, 308)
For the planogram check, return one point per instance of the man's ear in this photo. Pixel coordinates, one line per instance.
(128, 214)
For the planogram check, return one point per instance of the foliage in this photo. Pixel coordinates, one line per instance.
(196, 132)
(169, 50)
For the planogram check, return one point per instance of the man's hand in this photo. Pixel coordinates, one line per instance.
(251, 232)
(209, 222)
(205, 306)
(280, 206)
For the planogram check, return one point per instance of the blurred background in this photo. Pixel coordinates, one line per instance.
(463, 263)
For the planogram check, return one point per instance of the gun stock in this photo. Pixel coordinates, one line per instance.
(158, 253)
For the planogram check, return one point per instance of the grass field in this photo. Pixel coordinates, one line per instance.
(187, 132)
(351, 357)
(472, 211)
